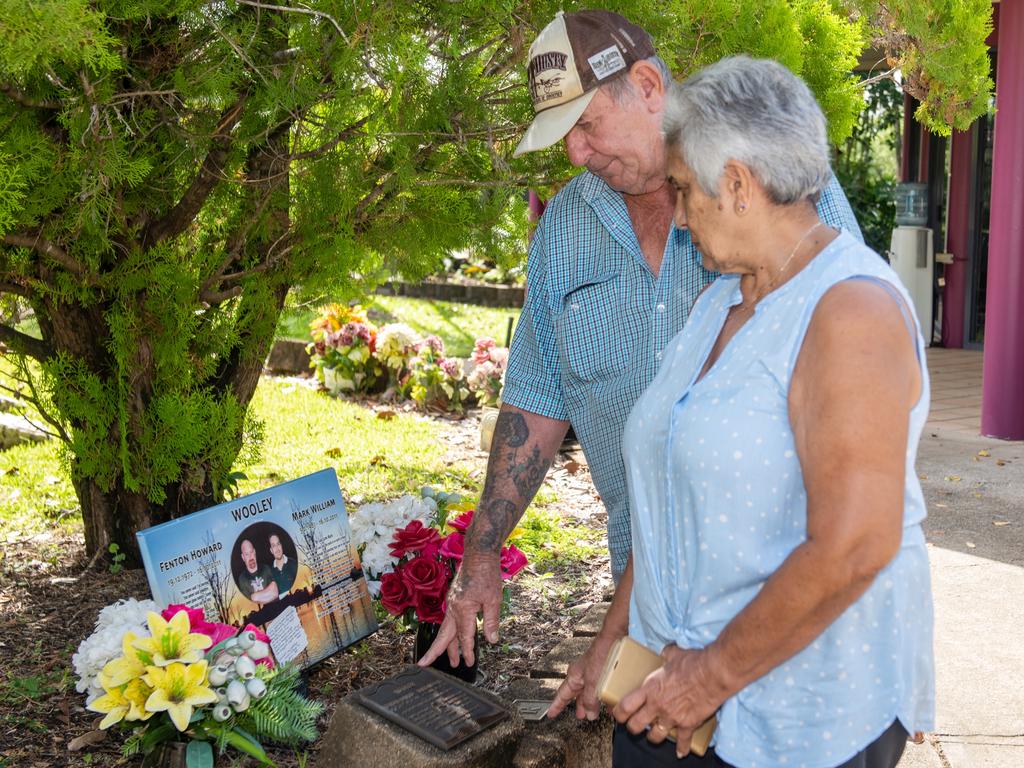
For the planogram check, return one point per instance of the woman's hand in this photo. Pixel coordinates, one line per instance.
(681, 695)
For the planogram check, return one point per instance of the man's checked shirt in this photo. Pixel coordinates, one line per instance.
(596, 320)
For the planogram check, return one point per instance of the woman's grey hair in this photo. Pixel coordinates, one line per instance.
(621, 88)
(757, 112)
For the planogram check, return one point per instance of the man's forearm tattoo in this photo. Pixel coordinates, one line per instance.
(526, 472)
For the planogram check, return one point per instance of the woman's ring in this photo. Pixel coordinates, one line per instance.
(657, 724)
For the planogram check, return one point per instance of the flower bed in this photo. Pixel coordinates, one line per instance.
(353, 356)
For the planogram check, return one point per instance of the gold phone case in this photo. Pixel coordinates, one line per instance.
(628, 665)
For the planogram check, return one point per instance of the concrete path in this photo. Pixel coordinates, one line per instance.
(975, 492)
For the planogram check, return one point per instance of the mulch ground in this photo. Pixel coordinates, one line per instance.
(50, 597)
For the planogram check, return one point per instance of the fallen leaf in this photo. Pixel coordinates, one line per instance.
(90, 739)
(380, 460)
(572, 467)
(334, 453)
(1000, 522)
(983, 453)
(971, 545)
(953, 478)
(923, 477)
(386, 415)
(1000, 463)
(942, 506)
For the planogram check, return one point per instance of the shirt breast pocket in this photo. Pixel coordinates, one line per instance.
(592, 339)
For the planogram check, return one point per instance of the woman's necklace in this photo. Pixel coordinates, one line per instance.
(749, 307)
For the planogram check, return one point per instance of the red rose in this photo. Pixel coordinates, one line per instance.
(461, 523)
(427, 575)
(512, 561)
(395, 594)
(415, 537)
(453, 546)
(429, 608)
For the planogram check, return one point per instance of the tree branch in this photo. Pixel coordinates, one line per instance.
(23, 344)
(210, 173)
(28, 101)
(14, 288)
(55, 252)
(342, 135)
(308, 11)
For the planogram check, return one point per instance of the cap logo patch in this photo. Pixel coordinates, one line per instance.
(545, 80)
(607, 62)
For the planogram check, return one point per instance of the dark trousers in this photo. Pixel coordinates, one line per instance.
(629, 751)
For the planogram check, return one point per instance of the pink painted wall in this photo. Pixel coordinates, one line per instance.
(1002, 406)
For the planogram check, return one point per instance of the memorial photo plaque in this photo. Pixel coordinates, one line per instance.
(434, 706)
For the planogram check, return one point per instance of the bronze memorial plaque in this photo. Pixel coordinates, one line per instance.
(433, 705)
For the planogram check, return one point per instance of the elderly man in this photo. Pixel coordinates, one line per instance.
(610, 282)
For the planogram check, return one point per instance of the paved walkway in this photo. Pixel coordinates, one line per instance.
(975, 528)
(956, 388)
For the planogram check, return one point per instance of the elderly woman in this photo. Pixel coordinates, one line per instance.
(778, 564)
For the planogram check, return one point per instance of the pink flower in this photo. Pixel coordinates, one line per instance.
(195, 615)
(214, 630)
(453, 546)
(434, 343)
(451, 367)
(461, 523)
(415, 537)
(482, 349)
(512, 561)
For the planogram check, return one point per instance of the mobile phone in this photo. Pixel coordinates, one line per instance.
(628, 665)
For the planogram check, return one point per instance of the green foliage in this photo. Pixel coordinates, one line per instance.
(117, 557)
(865, 163)
(282, 715)
(939, 47)
(547, 540)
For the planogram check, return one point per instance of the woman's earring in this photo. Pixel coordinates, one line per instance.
(743, 207)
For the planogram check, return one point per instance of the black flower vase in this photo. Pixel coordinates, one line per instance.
(425, 634)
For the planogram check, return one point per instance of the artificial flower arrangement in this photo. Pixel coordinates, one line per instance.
(411, 550)
(397, 346)
(180, 678)
(487, 377)
(342, 350)
(438, 381)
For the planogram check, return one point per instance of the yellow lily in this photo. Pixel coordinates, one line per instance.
(177, 689)
(113, 704)
(125, 668)
(137, 693)
(172, 640)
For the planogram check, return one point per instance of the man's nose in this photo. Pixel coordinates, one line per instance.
(577, 147)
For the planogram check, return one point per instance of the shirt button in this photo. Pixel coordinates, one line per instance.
(657, 355)
(661, 307)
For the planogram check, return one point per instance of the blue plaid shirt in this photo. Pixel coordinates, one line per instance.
(595, 323)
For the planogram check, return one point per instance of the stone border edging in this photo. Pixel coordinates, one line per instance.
(510, 296)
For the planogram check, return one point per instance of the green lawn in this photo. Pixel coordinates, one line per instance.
(375, 458)
(460, 325)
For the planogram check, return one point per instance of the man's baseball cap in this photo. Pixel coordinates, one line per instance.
(571, 57)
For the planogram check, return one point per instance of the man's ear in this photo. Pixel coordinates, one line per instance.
(649, 83)
(737, 186)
